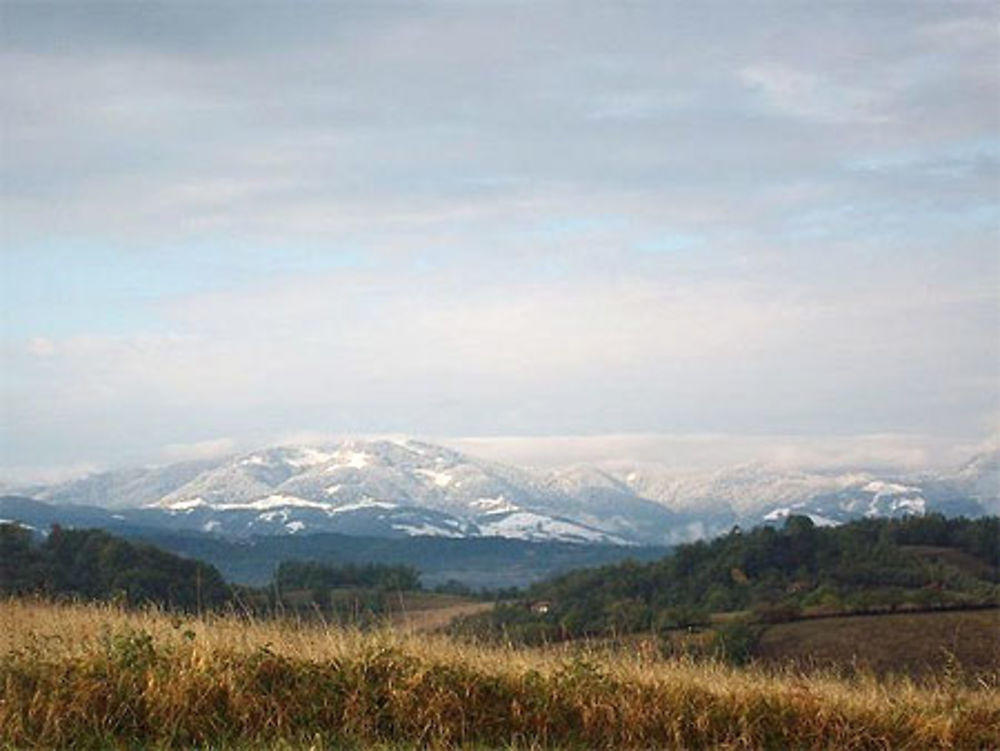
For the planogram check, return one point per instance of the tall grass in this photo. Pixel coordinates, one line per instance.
(97, 677)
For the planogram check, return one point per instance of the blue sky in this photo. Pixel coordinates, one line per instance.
(228, 223)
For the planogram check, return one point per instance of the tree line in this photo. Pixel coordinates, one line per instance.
(92, 564)
(868, 565)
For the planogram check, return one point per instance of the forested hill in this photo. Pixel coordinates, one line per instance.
(93, 564)
(871, 564)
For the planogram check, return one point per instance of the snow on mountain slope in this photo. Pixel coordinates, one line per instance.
(248, 477)
(782, 513)
(979, 478)
(753, 494)
(411, 487)
(606, 502)
(742, 489)
(409, 471)
(525, 525)
(290, 516)
(123, 488)
(317, 488)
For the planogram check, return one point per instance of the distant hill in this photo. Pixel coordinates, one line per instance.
(491, 562)
(93, 564)
(777, 574)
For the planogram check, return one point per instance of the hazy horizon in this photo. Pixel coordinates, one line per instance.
(676, 453)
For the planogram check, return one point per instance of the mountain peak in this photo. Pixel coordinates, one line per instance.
(397, 486)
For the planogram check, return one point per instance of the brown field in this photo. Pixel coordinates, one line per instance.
(412, 610)
(961, 560)
(434, 612)
(916, 644)
(97, 677)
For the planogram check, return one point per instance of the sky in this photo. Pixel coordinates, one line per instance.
(225, 224)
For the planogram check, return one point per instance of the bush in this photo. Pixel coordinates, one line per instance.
(736, 642)
(680, 617)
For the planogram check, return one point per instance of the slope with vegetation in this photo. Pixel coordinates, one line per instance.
(92, 564)
(958, 644)
(871, 565)
(75, 676)
(476, 562)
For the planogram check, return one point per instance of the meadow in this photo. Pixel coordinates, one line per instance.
(961, 643)
(97, 676)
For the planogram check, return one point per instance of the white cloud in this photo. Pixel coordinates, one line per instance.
(800, 93)
(494, 184)
(365, 352)
(708, 451)
(209, 449)
(18, 476)
(40, 346)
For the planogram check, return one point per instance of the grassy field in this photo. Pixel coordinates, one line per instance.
(434, 613)
(98, 677)
(408, 611)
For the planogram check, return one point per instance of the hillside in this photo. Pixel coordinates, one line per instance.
(225, 682)
(92, 564)
(956, 643)
(778, 574)
(492, 562)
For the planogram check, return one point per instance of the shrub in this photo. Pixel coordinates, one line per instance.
(736, 641)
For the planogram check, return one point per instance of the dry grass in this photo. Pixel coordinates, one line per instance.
(435, 616)
(906, 643)
(406, 611)
(97, 677)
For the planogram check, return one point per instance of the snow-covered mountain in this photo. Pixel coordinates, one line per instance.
(754, 494)
(379, 487)
(122, 488)
(402, 488)
(979, 480)
(599, 498)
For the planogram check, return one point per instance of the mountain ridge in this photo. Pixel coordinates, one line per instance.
(408, 487)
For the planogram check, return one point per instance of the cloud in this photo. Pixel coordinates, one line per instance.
(16, 477)
(714, 450)
(799, 93)
(365, 352)
(349, 119)
(463, 219)
(40, 346)
(210, 449)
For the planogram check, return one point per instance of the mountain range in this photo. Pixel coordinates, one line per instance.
(405, 488)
